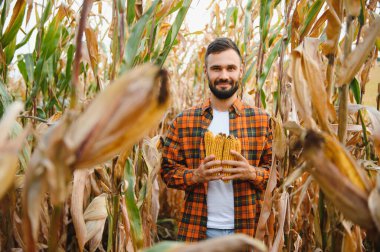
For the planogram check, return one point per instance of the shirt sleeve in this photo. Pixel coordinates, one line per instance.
(262, 172)
(174, 170)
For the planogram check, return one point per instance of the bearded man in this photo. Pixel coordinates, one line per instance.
(216, 204)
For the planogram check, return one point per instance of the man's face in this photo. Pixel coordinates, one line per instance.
(224, 71)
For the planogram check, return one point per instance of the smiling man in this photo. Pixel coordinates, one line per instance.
(214, 207)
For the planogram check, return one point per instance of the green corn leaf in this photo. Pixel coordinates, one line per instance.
(165, 246)
(10, 51)
(46, 13)
(266, 10)
(26, 38)
(5, 98)
(268, 64)
(51, 40)
(248, 73)
(263, 98)
(29, 64)
(14, 24)
(136, 35)
(22, 68)
(231, 12)
(247, 23)
(173, 32)
(133, 210)
(311, 15)
(130, 12)
(355, 88)
(361, 17)
(4, 14)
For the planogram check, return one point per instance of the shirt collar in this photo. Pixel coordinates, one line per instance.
(236, 107)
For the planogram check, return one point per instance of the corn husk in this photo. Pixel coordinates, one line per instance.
(116, 119)
(346, 195)
(9, 148)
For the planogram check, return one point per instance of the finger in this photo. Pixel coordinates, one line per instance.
(237, 155)
(232, 163)
(209, 158)
(231, 177)
(216, 177)
(233, 170)
(212, 163)
(210, 172)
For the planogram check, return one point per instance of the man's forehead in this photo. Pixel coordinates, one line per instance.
(228, 57)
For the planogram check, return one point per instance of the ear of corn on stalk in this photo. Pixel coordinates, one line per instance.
(221, 146)
(112, 123)
(333, 169)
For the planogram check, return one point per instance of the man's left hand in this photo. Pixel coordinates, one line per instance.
(241, 168)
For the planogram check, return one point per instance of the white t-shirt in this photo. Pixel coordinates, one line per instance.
(220, 195)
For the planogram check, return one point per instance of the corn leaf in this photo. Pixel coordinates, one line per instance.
(311, 16)
(266, 10)
(130, 12)
(5, 98)
(172, 34)
(14, 24)
(355, 88)
(136, 35)
(354, 61)
(133, 210)
(268, 64)
(231, 12)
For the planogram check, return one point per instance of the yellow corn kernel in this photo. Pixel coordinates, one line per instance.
(209, 143)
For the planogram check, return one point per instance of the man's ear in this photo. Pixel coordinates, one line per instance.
(241, 70)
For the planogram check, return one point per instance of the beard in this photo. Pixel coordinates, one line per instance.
(223, 94)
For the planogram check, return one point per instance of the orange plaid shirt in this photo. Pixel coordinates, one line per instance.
(184, 150)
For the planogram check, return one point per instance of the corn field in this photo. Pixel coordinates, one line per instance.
(82, 121)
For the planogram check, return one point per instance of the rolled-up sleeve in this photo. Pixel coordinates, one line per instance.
(174, 170)
(262, 172)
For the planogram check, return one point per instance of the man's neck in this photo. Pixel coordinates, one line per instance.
(222, 105)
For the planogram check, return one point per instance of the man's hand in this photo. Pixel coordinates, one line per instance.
(205, 173)
(241, 168)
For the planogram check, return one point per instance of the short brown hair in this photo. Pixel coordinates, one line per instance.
(221, 45)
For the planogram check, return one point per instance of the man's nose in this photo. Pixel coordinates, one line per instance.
(224, 74)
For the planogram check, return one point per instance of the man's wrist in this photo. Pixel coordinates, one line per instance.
(195, 176)
(254, 172)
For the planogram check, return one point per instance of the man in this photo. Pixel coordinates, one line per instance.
(213, 207)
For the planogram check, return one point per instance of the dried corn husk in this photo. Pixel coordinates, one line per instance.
(344, 193)
(235, 242)
(95, 217)
(9, 148)
(116, 119)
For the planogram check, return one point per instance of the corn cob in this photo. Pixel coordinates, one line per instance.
(219, 141)
(231, 143)
(338, 156)
(228, 146)
(209, 143)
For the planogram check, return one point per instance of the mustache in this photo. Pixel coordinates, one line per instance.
(223, 81)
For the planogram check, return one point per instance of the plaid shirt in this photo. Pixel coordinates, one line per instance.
(184, 150)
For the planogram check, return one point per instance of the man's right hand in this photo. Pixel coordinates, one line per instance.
(205, 173)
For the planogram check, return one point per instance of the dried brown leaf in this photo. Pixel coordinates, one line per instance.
(80, 177)
(95, 217)
(354, 61)
(279, 139)
(267, 205)
(279, 240)
(235, 242)
(374, 203)
(308, 80)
